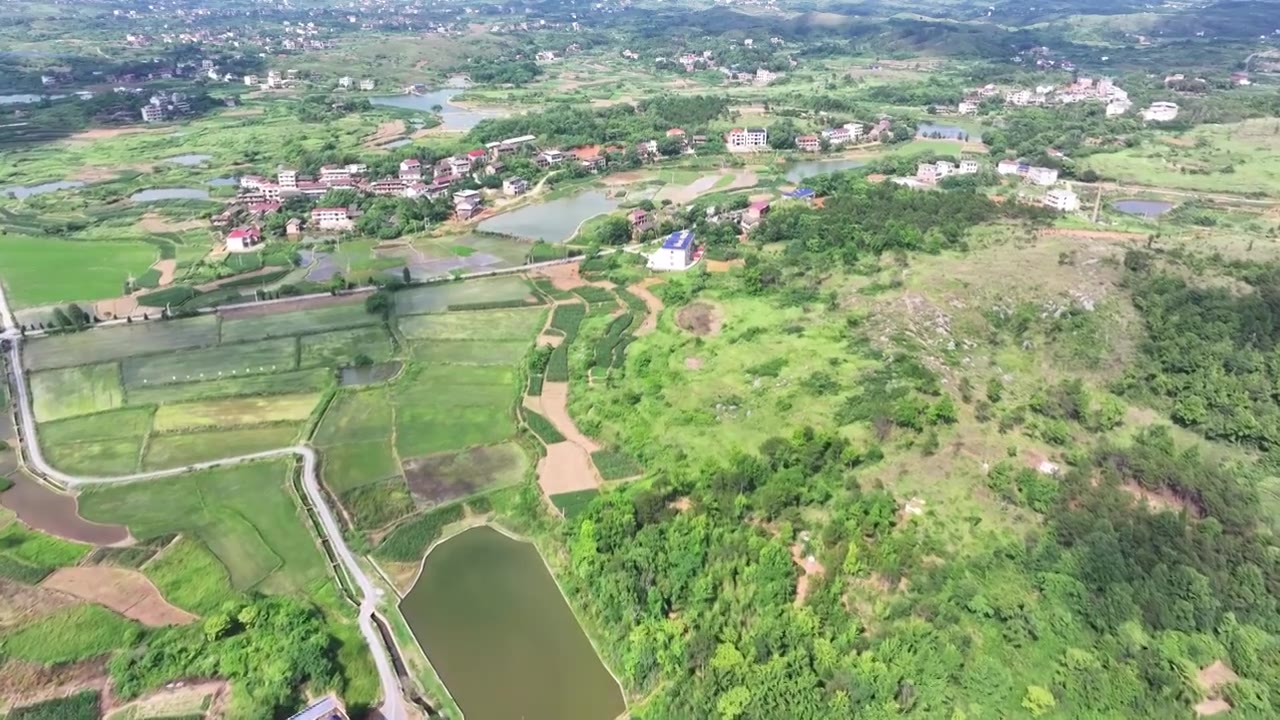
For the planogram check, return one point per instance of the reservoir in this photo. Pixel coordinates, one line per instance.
(189, 160)
(452, 117)
(1149, 209)
(504, 641)
(808, 168)
(554, 221)
(169, 194)
(946, 132)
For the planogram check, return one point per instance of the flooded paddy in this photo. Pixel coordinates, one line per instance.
(190, 160)
(54, 513)
(553, 222)
(368, 374)
(25, 191)
(1149, 209)
(495, 626)
(946, 132)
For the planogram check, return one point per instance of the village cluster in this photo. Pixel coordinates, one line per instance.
(1083, 89)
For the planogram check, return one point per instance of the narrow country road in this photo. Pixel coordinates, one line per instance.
(393, 706)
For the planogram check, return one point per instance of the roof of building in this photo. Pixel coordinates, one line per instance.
(476, 153)
(410, 162)
(329, 209)
(241, 233)
(638, 213)
(323, 709)
(678, 240)
(759, 205)
(801, 193)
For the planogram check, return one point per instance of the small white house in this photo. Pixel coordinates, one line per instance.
(514, 186)
(1062, 200)
(243, 239)
(676, 252)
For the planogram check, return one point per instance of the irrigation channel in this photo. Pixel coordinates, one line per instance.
(393, 704)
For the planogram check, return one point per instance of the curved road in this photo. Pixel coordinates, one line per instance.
(393, 706)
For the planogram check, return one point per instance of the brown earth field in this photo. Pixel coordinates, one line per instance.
(127, 592)
(700, 318)
(565, 468)
(441, 478)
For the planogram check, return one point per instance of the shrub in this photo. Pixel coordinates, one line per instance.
(408, 542)
(377, 505)
(572, 504)
(542, 427)
(81, 706)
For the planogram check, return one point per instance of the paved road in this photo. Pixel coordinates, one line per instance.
(393, 706)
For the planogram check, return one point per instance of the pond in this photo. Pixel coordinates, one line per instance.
(223, 182)
(55, 513)
(396, 144)
(553, 221)
(369, 374)
(190, 160)
(1149, 209)
(25, 191)
(452, 117)
(946, 132)
(25, 98)
(169, 194)
(808, 168)
(495, 626)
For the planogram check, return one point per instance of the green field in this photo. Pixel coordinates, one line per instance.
(355, 464)
(46, 270)
(470, 352)
(451, 407)
(340, 348)
(101, 458)
(119, 342)
(250, 358)
(179, 449)
(191, 577)
(246, 515)
(298, 381)
(231, 412)
(301, 322)
(513, 324)
(437, 298)
(356, 415)
(76, 391)
(128, 422)
(70, 634)
(27, 556)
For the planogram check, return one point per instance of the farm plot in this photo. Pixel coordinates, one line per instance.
(127, 422)
(127, 592)
(191, 576)
(452, 408)
(98, 458)
(355, 416)
(75, 391)
(298, 381)
(250, 358)
(442, 478)
(232, 412)
(240, 328)
(28, 556)
(340, 348)
(355, 464)
(470, 352)
(46, 270)
(438, 298)
(119, 342)
(180, 449)
(246, 515)
(506, 324)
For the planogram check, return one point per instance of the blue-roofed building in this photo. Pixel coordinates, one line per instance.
(803, 193)
(326, 708)
(676, 252)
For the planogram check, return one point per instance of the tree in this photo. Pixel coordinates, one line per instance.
(613, 231)
(408, 276)
(379, 303)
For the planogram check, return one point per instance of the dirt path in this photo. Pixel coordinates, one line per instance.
(127, 592)
(167, 269)
(194, 699)
(555, 405)
(1094, 234)
(810, 567)
(641, 290)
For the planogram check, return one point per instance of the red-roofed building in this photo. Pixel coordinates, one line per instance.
(641, 220)
(675, 133)
(331, 219)
(809, 143)
(411, 169)
(264, 208)
(243, 239)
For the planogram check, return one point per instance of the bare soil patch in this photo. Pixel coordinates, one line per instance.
(700, 318)
(693, 363)
(653, 302)
(127, 592)
(55, 513)
(550, 340)
(174, 702)
(89, 174)
(1217, 706)
(235, 313)
(443, 477)
(215, 284)
(21, 604)
(385, 133)
(1213, 678)
(157, 223)
(565, 468)
(167, 269)
(25, 683)
(812, 570)
(562, 277)
(116, 307)
(555, 405)
(1094, 234)
(720, 266)
(96, 134)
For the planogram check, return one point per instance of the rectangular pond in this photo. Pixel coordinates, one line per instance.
(504, 641)
(25, 191)
(554, 221)
(808, 168)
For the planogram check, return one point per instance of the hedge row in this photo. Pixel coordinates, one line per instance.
(489, 305)
(408, 542)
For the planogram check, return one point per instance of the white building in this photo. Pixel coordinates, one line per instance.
(1160, 112)
(345, 81)
(411, 169)
(287, 179)
(1042, 175)
(676, 252)
(243, 239)
(250, 80)
(332, 219)
(514, 186)
(367, 84)
(747, 139)
(968, 167)
(274, 80)
(1062, 200)
(1115, 108)
(967, 107)
(152, 113)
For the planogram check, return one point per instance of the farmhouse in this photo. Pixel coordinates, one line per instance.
(1062, 200)
(243, 239)
(515, 186)
(641, 220)
(676, 252)
(332, 219)
(809, 143)
(326, 708)
(802, 193)
(747, 139)
(411, 169)
(1160, 112)
(755, 213)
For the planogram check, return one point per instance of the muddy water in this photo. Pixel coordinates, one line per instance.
(53, 512)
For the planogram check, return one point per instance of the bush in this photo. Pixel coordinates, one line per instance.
(615, 465)
(480, 505)
(408, 542)
(542, 427)
(377, 505)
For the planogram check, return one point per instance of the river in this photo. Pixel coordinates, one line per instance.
(495, 626)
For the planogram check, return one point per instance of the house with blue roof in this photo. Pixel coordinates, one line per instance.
(676, 252)
(802, 193)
